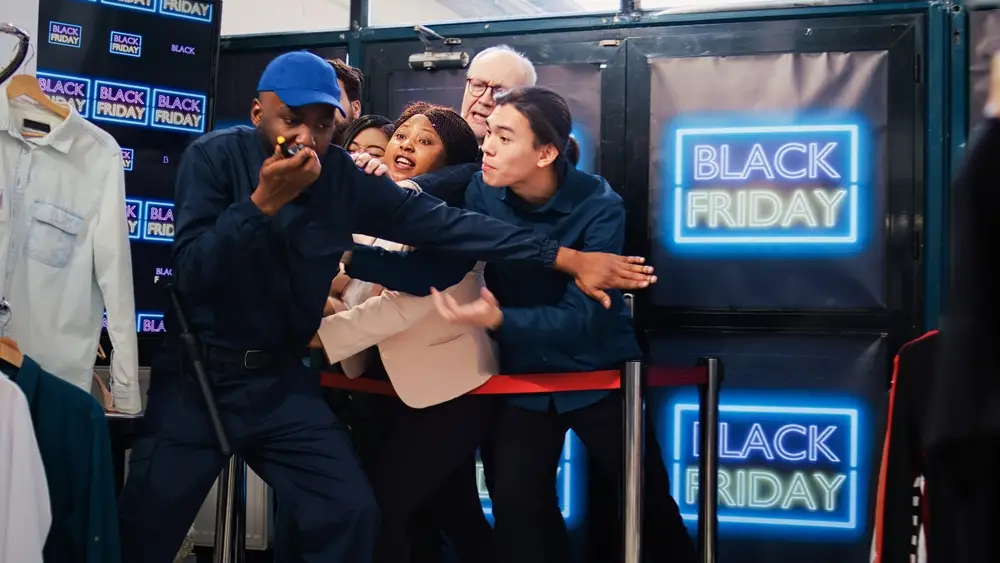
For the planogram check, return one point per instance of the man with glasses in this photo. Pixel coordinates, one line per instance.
(493, 71)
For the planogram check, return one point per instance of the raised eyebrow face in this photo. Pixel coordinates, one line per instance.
(495, 127)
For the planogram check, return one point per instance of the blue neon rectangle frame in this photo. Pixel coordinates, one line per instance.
(678, 141)
(207, 19)
(87, 100)
(152, 106)
(145, 220)
(93, 97)
(131, 159)
(119, 4)
(111, 44)
(144, 316)
(141, 212)
(852, 415)
(51, 42)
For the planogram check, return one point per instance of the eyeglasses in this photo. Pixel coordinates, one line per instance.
(479, 87)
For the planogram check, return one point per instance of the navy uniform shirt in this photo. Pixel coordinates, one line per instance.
(549, 324)
(254, 282)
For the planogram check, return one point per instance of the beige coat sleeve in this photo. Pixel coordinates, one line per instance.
(371, 322)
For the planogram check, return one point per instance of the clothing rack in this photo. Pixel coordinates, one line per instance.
(21, 53)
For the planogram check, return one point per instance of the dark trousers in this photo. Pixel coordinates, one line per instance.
(281, 426)
(428, 464)
(527, 523)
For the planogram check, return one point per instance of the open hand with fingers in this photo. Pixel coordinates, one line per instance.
(369, 164)
(483, 312)
(594, 272)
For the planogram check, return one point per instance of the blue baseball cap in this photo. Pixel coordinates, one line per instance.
(301, 78)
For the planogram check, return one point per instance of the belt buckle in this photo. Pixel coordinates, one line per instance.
(246, 359)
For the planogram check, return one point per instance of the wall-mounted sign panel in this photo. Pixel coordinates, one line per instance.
(142, 70)
(773, 201)
(797, 456)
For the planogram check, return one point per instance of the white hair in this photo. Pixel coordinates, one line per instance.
(526, 64)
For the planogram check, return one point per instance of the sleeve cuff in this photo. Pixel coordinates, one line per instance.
(362, 260)
(550, 249)
(508, 329)
(410, 185)
(248, 210)
(126, 398)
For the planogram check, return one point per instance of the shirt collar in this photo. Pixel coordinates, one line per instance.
(565, 199)
(27, 378)
(60, 138)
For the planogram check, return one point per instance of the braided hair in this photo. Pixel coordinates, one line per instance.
(460, 146)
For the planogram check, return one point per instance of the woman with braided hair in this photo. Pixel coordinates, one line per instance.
(431, 363)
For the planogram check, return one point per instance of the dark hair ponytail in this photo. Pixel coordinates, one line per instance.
(546, 111)
(572, 152)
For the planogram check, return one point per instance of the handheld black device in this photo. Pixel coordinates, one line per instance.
(288, 150)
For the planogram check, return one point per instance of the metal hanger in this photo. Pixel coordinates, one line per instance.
(10, 354)
(25, 84)
(20, 52)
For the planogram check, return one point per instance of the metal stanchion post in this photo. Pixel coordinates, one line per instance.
(240, 510)
(230, 518)
(632, 512)
(708, 461)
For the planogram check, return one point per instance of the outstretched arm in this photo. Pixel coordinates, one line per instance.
(388, 211)
(563, 324)
(415, 271)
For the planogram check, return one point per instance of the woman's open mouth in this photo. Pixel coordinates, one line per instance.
(403, 163)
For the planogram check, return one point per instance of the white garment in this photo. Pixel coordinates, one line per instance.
(64, 250)
(25, 511)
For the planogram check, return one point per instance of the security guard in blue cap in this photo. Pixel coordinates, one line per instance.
(259, 238)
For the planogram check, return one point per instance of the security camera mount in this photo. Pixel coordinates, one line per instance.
(432, 59)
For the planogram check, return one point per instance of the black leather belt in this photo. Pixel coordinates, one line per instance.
(247, 359)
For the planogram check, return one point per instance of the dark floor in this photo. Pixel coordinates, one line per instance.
(205, 556)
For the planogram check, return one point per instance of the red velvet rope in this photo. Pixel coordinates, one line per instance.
(606, 380)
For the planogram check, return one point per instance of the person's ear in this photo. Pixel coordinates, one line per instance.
(255, 113)
(356, 108)
(547, 155)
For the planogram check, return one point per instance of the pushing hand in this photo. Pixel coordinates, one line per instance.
(593, 272)
(483, 312)
(339, 284)
(370, 164)
(282, 179)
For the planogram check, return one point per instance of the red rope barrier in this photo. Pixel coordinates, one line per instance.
(606, 380)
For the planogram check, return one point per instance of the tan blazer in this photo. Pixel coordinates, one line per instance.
(428, 359)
